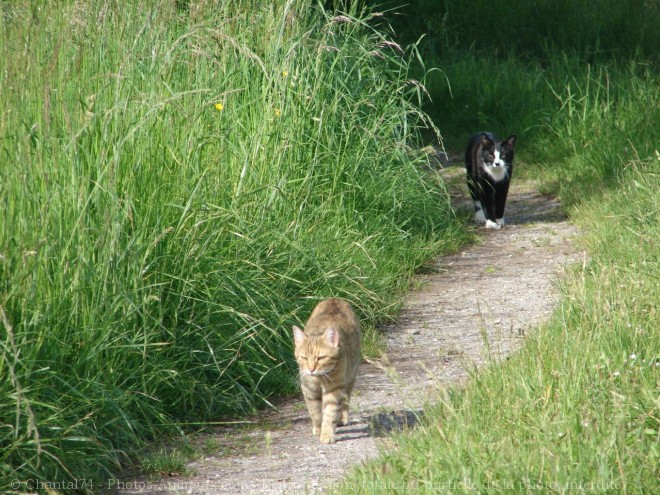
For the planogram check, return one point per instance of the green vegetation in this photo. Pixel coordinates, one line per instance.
(491, 64)
(178, 187)
(578, 409)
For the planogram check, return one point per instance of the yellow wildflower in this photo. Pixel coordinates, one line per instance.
(278, 112)
(219, 106)
(285, 73)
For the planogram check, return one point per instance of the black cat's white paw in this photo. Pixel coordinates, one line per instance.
(492, 225)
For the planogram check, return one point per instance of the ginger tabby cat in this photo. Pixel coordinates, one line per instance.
(328, 354)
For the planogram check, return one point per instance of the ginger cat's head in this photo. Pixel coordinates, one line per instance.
(317, 356)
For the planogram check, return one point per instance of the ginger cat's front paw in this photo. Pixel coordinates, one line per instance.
(316, 430)
(327, 438)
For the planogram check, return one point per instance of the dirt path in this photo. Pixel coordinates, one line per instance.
(499, 288)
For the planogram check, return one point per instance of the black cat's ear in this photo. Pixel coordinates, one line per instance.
(486, 142)
(510, 142)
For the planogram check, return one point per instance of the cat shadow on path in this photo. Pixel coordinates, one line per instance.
(527, 208)
(385, 423)
(379, 425)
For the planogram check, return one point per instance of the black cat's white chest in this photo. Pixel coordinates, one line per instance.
(497, 173)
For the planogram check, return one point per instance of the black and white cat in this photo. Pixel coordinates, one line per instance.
(489, 164)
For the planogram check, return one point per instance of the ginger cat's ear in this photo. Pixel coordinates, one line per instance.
(332, 336)
(298, 335)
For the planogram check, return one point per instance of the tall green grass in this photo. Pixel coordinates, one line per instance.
(178, 187)
(577, 410)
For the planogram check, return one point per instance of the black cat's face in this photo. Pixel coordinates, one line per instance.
(497, 154)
